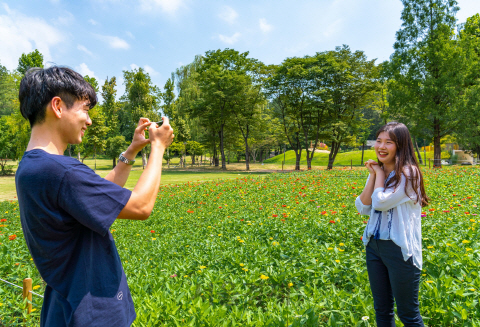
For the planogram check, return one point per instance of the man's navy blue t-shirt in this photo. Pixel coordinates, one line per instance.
(66, 211)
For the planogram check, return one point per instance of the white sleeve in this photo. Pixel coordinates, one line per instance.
(363, 209)
(383, 200)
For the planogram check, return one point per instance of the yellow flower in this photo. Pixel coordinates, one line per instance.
(241, 265)
(469, 249)
(219, 234)
(153, 238)
(448, 244)
(472, 220)
(34, 310)
(424, 275)
(275, 243)
(472, 289)
(264, 277)
(185, 276)
(341, 244)
(429, 281)
(202, 267)
(430, 247)
(465, 241)
(330, 249)
(337, 261)
(271, 238)
(241, 241)
(290, 284)
(36, 287)
(245, 269)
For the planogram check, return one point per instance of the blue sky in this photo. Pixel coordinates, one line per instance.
(104, 37)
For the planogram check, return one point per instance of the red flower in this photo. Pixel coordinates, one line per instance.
(274, 216)
(324, 213)
(365, 222)
(446, 211)
(284, 205)
(190, 211)
(454, 195)
(334, 212)
(431, 209)
(332, 221)
(12, 237)
(220, 207)
(361, 238)
(467, 213)
(241, 219)
(353, 187)
(3, 220)
(152, 231)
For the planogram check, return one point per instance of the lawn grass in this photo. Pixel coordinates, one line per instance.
(321, 159)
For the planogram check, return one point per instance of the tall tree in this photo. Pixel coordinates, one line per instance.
(32, 59)
(111, 107)
(428, 69)
(141, 99)
(349, 84)
(222, 77)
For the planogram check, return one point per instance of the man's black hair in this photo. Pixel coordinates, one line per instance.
(41, 85)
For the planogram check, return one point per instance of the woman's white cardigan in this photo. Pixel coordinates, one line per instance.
(395, 216)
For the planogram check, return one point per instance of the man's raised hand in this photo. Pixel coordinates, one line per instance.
(161, 136)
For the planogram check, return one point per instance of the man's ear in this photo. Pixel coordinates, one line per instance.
(57, 106)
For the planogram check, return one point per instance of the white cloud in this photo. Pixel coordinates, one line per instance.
(168, 6)
(84, 49)
(23, 34)
(264, 26)
(115, 42)
(84, 70)
(228, 14)
(229, 39)
(150, 70)
(133, 66)
(333, 28)
(91, 21)
(65, 18)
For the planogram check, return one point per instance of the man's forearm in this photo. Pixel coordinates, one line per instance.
(120, 173)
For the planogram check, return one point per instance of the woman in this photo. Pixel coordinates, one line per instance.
(393, 197)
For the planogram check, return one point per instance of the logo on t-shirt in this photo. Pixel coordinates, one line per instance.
(120, 295)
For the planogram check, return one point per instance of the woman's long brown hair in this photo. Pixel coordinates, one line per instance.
(405, 159)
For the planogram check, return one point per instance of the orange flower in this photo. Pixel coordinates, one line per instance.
(12, 237)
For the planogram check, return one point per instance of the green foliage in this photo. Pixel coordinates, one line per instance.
(92, 81)
(429, 69)
(30, 60)
(7, 147)
(114, 146)
(213, 241)
(111, 107)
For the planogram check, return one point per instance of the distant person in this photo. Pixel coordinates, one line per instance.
(66, 209)
(393, 197)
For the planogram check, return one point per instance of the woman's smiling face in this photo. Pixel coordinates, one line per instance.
(385, 148)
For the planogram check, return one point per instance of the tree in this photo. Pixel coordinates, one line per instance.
(9, 82)
(94, 139)
(428, 69)
(222, 77)
(349, 84)
(141, 100)
(111, 107)
(114, 147)
(92, 81)
(7, 146)
(194, 149)
(30, 60)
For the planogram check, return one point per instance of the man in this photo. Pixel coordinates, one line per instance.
(66, 209)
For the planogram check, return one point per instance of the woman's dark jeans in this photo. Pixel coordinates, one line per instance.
(393, 278)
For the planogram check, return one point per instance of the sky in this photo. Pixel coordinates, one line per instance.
(102, 38)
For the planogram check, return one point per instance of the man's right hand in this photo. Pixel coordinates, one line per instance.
(161, 136)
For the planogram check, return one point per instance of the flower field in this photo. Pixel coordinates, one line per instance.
(281, 250)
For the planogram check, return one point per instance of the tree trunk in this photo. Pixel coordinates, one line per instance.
(144, 158)
(420, 161)
(363, 150)
(298, 156)
(247, 157)
(193, 160)
(79, 157)
(114, 162)
(309, 159)
(333, 154)
(437, 149)
(70, 150)
(222, 150)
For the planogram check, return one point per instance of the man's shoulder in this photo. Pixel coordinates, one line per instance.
(40, 165)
